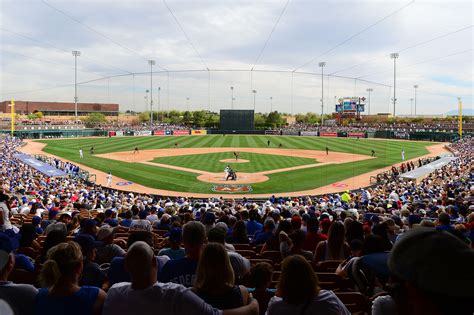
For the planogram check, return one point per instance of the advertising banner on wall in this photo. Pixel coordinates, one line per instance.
(142, 133)
(328, 134)
(180, 132)
(272, 132)
(309, 133)
(199, 132)
(112, 133)
(356, 135)
(290, 132)
(162, 132)
(119, 133)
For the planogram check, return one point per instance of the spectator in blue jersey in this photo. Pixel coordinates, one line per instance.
(444, 223)
(262, 236)
(253, 226)
(92, 275)
(36, 221)
(174, 251)
(127, 221)
(109, 218)
(183, 270)
(239, 234)
(61, 292)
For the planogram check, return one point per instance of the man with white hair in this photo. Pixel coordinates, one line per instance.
(144, 295)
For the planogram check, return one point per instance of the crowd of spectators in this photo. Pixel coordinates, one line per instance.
(71, 248)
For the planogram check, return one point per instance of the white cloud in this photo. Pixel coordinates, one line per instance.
(229, 36)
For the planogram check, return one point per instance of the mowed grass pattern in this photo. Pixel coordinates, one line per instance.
(210, 162)
(387, 153)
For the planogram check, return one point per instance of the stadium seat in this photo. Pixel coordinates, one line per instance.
(356, 302)
(327, 266)
(28, 251)
(243, 247)
(250, 254)
(273, 255)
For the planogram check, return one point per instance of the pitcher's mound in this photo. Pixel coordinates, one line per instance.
(242, 178)
(234, 161)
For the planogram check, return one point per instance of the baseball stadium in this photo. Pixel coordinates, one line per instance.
(236, 158)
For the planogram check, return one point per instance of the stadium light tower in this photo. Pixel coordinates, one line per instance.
(151, 63)
(322, 65)
(394, 56)
(146, 99)
(254, 93)
(159, 102)
(75, 53)
(411, 106)
(415, 87)
(232, 97)
(369, 90)
(271, 104)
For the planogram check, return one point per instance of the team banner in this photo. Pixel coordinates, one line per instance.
(199, 132)
(180, 132)
(112, 133)
(328, 134)
(119, 133)
(162, 132)
(309, 133)
(356, 135)
(42, 167)
(142, 133)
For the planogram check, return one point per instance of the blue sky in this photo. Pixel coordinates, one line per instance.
(354, 38)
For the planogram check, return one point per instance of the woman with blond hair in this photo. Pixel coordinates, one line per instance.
(214, 281)
(59, 278)
(298, 292)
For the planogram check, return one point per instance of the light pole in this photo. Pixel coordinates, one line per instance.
(146, 99)
(411, 106)
(159, 102)
(254, 92)
(232, 97)
(322, 65)
(151, 63)
(271, 104)
(187, 104)
(369, 90)
(75, 53)
(394, 56)
(415, 87)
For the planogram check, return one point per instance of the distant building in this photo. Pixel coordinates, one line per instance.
(59, 108)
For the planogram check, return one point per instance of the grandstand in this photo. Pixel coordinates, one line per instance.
(261, 162)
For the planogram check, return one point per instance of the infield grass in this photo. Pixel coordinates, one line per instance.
(387, 153)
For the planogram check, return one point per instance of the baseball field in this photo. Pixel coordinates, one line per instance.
(263, 164)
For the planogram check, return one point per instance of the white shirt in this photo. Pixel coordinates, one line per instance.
(141, 225)
(6, 220)
(326, 303)
(161, 298)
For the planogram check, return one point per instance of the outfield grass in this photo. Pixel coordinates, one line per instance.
(210, 162)
(387, 153)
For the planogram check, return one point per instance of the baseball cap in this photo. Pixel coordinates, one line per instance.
(86, 242)
(434, 261)
(6, 247)
(176, 235)
(104, 232)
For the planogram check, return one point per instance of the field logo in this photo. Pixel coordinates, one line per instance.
(340, 185)
(232, 188)
(123, 183)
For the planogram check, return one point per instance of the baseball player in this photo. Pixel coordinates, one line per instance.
(226, 171)
(403, 154)
(81, 154)
(109, 179)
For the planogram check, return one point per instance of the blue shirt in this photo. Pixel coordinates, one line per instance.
(23, 262)
(173, 253)
(253, 227)
(180, 271)
(111, 222)
(80, 303)
(262, 237)
(126, 222)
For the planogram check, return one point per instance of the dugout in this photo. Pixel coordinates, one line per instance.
(57, 133)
